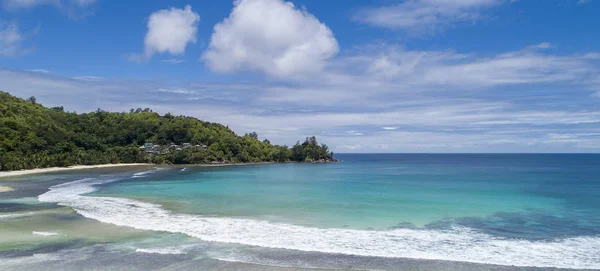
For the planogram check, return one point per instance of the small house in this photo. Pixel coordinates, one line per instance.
(148, 147)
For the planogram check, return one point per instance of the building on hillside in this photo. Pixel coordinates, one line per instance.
(148, 147)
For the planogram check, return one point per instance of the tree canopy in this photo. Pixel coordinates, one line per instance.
(33, 136)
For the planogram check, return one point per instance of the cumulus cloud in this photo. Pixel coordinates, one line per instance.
(270, 36)
(425, 15)
(170, 31)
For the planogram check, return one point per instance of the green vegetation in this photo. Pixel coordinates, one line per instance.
(33, 136)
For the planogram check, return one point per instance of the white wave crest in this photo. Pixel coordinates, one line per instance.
(458, 244)
(145, 173)
(44, 233)
(164, 250)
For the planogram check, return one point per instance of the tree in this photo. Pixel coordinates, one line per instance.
(252, 135)
(32, 99)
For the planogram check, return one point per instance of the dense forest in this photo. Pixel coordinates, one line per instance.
(33, 136)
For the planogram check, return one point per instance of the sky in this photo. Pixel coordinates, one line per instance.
(430, 76)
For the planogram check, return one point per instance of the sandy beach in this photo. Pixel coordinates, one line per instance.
(54, 169)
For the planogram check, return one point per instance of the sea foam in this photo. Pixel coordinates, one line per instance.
(44, 233)
(144, 173)
(165, 250)
(456, 244)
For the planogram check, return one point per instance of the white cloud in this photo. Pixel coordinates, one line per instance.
(581, 2)
(518, 68)
(171, 30)
(354, 133)
(40, 70)
(425, 15)
(543, 45)
(10, 40)
(270, 36)
(402, 69)
(437, 100)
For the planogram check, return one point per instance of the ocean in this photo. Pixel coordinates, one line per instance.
(371, 211)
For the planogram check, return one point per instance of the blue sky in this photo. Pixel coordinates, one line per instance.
(363, 76)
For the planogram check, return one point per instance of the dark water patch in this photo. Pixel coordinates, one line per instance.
(67, 217)
(403, 225)
(316, 260)
(530, 225)
(9, 207)
(233, 258)
(32, 188)
(41, 249)
(96, 258)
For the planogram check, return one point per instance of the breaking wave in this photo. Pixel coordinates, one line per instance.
(457, 244)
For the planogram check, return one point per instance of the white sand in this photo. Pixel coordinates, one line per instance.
(54, 169)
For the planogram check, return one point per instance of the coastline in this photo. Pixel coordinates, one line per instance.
(15, 173)
(56, 169)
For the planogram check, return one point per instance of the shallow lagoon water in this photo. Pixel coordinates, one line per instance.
(369, 212)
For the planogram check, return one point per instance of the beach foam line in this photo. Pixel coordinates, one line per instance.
(456, 244)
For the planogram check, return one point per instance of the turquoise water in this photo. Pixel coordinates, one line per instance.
(526, 196)
(372, 211)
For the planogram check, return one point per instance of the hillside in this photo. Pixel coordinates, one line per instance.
(33, 136)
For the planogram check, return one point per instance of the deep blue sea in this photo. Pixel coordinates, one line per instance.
(540, 210)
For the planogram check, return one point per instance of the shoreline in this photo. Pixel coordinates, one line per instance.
(15, 173)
